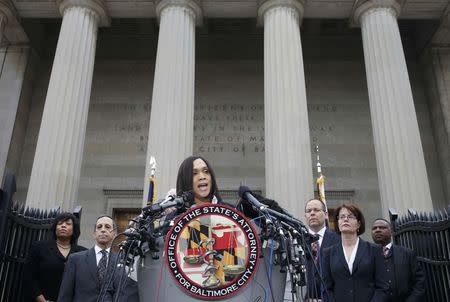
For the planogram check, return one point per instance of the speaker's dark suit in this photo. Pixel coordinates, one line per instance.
(80, 280)
(407, 280)
(314, 272)
(365, 283)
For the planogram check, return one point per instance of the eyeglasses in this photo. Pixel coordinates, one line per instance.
(349, 217)
(313, 210)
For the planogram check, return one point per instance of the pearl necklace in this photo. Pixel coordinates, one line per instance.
(62, 246)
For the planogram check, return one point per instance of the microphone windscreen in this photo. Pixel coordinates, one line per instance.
(172, 192)
(242, 190)
(188, 196)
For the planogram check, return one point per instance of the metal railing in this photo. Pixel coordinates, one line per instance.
(428, 234)
(19, 228)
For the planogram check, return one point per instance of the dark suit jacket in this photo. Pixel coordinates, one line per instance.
(80, 281)
(128, 288)
(409, 277)
(44, 270)
(365, 283)
(314, 275)
(81, 284)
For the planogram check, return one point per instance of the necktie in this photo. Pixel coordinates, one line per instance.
(385, 251)
(102, 266)
(315, 247)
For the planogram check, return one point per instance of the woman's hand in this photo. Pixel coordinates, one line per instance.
(40, 298)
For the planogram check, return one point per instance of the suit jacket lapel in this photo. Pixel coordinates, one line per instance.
(112, 261)
(340, 253)
(397, 264)
(361, 252)
(324, 240)
(91, 263)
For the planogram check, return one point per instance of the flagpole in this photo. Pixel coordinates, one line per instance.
(320, 183)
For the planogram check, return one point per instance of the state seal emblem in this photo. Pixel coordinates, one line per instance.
(212, 251)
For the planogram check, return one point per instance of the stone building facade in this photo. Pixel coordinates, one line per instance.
(90, 89)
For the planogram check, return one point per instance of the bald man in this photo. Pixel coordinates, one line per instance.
(316, 215)
(405, 277)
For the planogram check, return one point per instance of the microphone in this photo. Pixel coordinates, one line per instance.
(132, 233)
(171, 201)
(245, 193)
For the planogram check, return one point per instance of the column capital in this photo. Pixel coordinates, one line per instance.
(367, 5)
(98, 6)
(9, 13)
(266, 5)
(193, 5)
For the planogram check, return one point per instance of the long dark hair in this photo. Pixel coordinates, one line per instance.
(185, 175)
(75, 223)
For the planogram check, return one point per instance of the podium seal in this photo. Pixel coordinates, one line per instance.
(212, 251)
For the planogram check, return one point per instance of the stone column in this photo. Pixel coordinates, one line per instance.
(56, 169)
(171, 130)
(2, 26)
(402, 174)
(13, 83)
(288, 153)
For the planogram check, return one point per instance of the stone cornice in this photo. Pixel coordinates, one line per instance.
(265, 5)
(12, 29)
(98, 6)
(441, 38)
(194, 5)
(367, 5)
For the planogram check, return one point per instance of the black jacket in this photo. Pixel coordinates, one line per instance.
(365, 283)
(314, 272)
(409, 277)
(44, 269)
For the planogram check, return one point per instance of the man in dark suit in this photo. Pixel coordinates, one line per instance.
(316, 215)
(91, 275)
(405, 277)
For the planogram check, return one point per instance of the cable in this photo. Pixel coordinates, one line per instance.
(269, 274)
(160, 276)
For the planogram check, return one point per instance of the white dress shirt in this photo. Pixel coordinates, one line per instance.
(98, 253)
(352, 256)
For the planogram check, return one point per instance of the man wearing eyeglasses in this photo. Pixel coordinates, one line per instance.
(404, 275)
(316, 216)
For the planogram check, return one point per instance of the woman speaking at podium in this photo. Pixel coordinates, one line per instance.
(195, 174)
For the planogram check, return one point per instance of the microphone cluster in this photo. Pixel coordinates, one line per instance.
(141, 234)
(284, 234)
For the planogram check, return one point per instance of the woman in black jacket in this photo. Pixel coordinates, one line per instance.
(45, 263)
(353, 269)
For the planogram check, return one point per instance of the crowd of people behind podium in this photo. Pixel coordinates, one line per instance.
(342, 267)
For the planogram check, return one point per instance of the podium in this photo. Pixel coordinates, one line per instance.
(212, 252)
(155, 278)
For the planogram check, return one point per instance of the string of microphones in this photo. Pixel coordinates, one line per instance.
(285, 236)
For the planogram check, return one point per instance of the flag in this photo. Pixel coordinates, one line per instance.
(152, 182)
